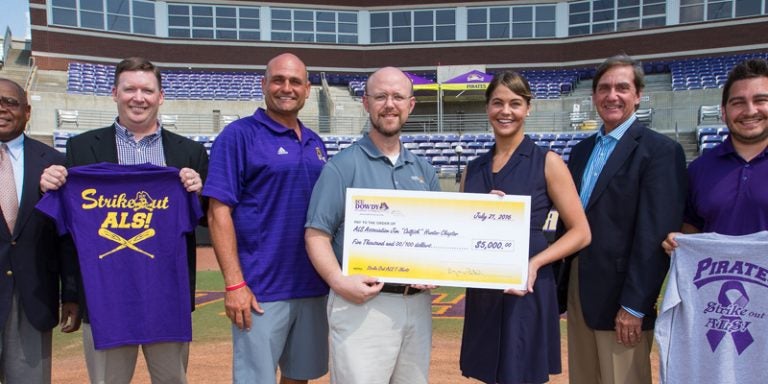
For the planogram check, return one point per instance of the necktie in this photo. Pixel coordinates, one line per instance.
(9, 203)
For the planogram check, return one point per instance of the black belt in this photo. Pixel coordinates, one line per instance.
(401, 289)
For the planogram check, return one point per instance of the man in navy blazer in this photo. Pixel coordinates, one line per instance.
(136, 137)
(34, 260)
(632, 184)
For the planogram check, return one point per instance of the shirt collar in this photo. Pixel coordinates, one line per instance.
(619, 132)
(727, 149)
(16, 146)
(373, 152)
(124, 134)
(273, 125)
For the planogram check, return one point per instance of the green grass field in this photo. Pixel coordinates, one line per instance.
(210, 358)
(210, 324)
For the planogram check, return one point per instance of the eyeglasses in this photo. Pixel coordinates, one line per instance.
(9, 102)
(382, 98)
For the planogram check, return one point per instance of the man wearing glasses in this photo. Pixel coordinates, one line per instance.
(380, 333)
(34, 261)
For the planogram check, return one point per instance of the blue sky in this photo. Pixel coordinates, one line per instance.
(14, 14)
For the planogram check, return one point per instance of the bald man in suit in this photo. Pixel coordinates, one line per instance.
(34, 260)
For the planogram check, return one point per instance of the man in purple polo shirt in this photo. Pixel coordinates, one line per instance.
(728, 184)
(727, 196)
(263, 168)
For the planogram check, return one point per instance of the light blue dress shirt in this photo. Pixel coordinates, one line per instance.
(604, 146)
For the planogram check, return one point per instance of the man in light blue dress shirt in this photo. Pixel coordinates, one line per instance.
(632, 184)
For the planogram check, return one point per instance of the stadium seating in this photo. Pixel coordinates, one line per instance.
(439, 150)
(710, 136)
(577, 119)
(706, 147)
(60, 139)
(545, 84)
(169, 121)
(706, 72)
(66, 116)
(709, 112)
(356, 88)
(226, 119)
(551, 84)
(645, 115)
(97, 79)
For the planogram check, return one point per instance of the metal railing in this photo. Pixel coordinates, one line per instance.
(7, 41)
(326, 105)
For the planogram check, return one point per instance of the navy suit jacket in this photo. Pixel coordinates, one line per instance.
(34, 257)
(98, 145)
(639, 197)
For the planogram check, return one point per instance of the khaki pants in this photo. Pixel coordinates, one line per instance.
(386, 340)
(594, 357)
(167, 362)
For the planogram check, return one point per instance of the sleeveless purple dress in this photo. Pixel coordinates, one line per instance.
(509, 339)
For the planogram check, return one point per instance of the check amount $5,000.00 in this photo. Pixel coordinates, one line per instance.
(493, 245)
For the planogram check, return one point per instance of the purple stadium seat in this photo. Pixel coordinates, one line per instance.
(706, 147)
(440, 160)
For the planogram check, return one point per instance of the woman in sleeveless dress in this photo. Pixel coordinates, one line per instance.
(513, 336)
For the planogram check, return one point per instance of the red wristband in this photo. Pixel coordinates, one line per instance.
(235, 287)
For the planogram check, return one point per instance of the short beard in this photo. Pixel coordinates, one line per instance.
(386, 133)
(748, 139)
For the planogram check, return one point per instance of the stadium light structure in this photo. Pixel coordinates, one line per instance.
(459, 150)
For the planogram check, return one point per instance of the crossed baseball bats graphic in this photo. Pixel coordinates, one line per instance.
(130, 243)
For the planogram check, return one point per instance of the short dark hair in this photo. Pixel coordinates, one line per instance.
(137, 63)
(747, 69)
(512, 80)
(621, 59)
(20, 92)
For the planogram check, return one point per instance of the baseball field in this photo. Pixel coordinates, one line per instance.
(211, 351)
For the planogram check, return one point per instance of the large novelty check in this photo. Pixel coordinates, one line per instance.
(437, 238)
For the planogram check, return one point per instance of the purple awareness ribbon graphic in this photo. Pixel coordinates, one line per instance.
(741, 339)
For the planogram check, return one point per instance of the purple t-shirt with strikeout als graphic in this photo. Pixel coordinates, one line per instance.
(128, 223)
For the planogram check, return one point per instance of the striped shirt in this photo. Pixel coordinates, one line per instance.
(604, 146)
(147, 150)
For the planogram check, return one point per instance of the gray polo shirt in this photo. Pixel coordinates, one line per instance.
(362, 165)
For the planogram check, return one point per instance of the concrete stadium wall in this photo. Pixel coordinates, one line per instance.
(45, 104)
(670, 109)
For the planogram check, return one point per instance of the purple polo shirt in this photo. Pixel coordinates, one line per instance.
(263, 172)
(728, 195)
